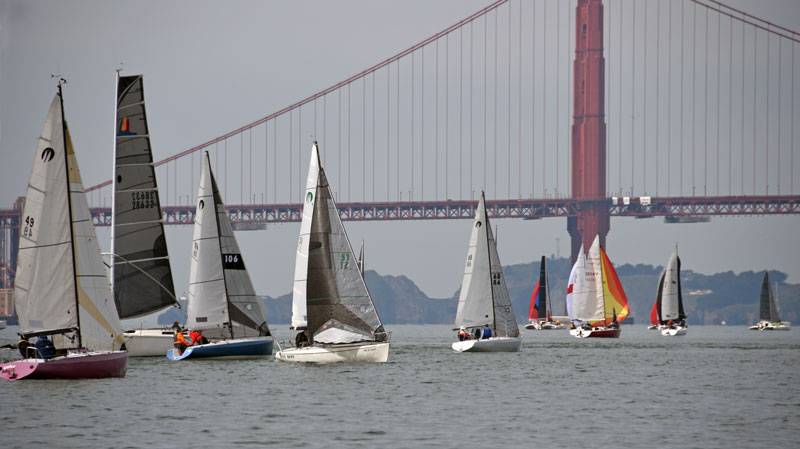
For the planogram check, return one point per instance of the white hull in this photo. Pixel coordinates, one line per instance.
(544, 326)
(766, 326)
(674, 332)
(148, 342)
(347, 353)
(493, 344)
(2, 324)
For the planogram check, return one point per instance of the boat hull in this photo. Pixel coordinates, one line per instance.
(242, 349)
(596, 333)
(77, 365)
(148, 342)
(767, 326)
(544, 326)
(347, 353)
(674, 332)
(494, 344)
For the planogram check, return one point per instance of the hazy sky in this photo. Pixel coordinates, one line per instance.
(211, 67)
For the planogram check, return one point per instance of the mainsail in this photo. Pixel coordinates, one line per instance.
(141, 272)
(484, 297)
(338, 307)
(222, 300)
(540, 296)
(768, 309)
(595, 293)
(61, 282)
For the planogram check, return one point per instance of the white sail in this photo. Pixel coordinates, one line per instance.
(207, 306)
(594, 282)
(59, 255)
(299, 314)
(669, 297)
(475, 305)
(575, 277)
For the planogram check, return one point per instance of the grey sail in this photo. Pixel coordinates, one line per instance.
(505, 323)
(768, 310)
(141, 271)
(339, 306)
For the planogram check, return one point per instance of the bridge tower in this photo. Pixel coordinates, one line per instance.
(588, 170)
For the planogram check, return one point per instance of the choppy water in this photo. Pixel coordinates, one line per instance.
(718, 387)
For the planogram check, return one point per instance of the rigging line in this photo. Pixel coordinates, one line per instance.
(719, 50)
(241, 167)
(509, 102)
(349, 135)
(422, 131)
(766, 122)
(791, 171)
(558, 88)
(275, 160)
(619, 109)
(495, 104)
(694, 96)
(447, 118)
(533, 98)
(658, 86)
(755, 117)
(544, 98)
(388, 134)
(705, 119)
(741, 128)
(608, 103)
(364, 139)
(436, 129)
(730, 110)
(373, 136)
(669, 102)
(485, 94)
(460, 112)
(780, 110)
(397, 118)
(644, 106)
(289, 151)
(633, 93)
(519, 111)
(680, 171)
(266, 161)
(411, 191)
(471, 65)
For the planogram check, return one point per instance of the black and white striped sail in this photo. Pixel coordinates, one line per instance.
(670, 300)
(330, 296)
(61, 281)
(484, 296)
(222, 301)
(141, 271)
(768, 309)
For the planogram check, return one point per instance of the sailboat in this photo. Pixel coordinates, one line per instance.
(768, 316)
(539, 317)
(141, 277)
(667, 313)
(484, 299)
(222, 302)
(62, 292)
(331, 305)
(596, 302)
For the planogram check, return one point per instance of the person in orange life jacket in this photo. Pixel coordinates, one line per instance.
(180, 342)
(463, 334)
(197, 338)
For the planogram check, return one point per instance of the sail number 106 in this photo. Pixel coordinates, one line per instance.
(232, 262)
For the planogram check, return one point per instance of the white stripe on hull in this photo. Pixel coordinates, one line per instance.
(348, 353)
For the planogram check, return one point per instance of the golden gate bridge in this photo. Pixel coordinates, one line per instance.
(584, 109)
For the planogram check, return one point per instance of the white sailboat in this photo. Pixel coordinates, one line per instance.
(768, 316)
(61, 289)
(331, 305)
(667, 314)
(484, 299)
(141, 277)
(222, 302)
(596, 302)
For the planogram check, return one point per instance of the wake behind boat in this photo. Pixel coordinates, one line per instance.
(484, 306)
(594, 294)
(61, 289)
(768, 316)
(141, 275)
(222, 302)
(667, 314)
(331, 305)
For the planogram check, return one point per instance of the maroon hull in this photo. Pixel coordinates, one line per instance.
(605, 333)
(85, 365)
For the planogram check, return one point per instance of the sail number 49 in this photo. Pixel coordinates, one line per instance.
(27, 231)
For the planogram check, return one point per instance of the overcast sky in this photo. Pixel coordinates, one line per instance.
(211, 67)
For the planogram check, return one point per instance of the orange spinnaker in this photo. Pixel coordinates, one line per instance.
(613, 294)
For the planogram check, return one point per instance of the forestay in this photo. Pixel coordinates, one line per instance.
(141, 272)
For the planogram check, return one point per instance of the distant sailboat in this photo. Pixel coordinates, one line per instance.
(539, 316)
(768, 316)
(61, 290)
(140, 272)
(484, 299)
(596, 302)
(331, 304)
(667, 313)
(222, 302)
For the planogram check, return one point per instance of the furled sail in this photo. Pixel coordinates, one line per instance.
(222, 300)
(768, 309)
(339, 306)
(141, 271)
(61, 282)
(299, 314)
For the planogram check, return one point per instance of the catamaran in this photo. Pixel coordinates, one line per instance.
(222, 302)
(596, 302)
(539, 317)
(141, 276)
(768, 317)
(484, 299)
(61, 289)
(331, 306)
(667, 313)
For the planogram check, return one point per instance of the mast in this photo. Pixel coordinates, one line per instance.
(487, 228)
(215, 194)
(112, 247)
(69, 209)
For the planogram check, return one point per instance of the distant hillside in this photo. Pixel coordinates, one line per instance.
(707, 299)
